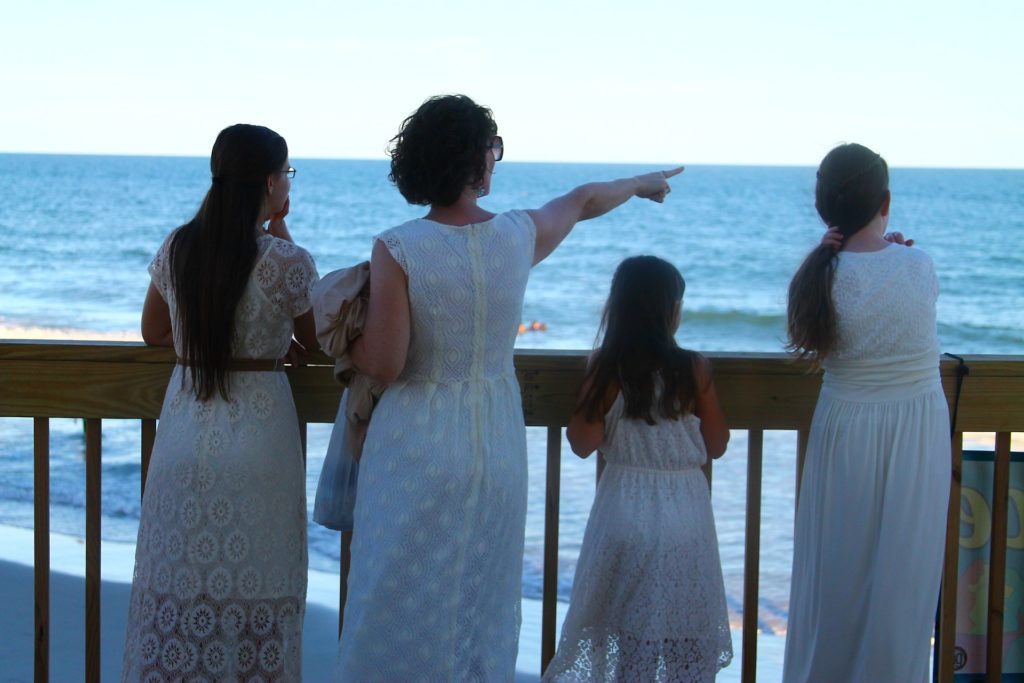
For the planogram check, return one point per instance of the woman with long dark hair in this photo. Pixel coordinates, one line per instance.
(437, 552)
(871, 519)
(220, 570)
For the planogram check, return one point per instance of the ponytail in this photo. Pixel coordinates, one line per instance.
(853, 183)
(811, 319)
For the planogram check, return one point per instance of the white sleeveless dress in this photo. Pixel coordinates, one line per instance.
(220, 566)
(648, 601)
(436, 576)
(871, 520)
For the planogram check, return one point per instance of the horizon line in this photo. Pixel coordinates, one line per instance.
(144, 155)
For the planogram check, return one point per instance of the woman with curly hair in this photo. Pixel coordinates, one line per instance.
(437, 551)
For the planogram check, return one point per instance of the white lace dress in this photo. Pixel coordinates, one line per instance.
(871, 519)
(648, 602)
(437, 551)
(220, 566)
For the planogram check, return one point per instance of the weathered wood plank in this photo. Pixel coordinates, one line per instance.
(758, 391)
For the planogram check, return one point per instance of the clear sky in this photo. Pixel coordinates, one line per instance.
(925, 83)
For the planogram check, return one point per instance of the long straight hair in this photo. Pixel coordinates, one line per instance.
(853, 182)
(213, 254)
(639, 346)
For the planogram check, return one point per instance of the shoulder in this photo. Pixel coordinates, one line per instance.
(280, 249)
(278, 257)
(913, 260)
(519, 218)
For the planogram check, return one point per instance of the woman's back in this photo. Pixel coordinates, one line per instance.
(666, 445)
(276, 293)
(466, 289)
(885, 304)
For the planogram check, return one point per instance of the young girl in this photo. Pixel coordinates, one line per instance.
(867, 554)
(647, 602)
(220, 566)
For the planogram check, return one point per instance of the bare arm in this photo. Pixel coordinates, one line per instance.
(585, 437)
(156, 319)
(556, 219)
(706, 407)
(381, 350)
(305, 331)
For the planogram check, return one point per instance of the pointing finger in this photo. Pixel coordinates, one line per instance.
(673, 171)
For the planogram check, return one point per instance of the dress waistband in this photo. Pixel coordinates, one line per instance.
(906, 375)
(247, 364)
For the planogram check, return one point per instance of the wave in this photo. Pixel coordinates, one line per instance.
(40, 332)
(732, 316)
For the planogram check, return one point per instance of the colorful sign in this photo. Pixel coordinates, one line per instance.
(972, 582)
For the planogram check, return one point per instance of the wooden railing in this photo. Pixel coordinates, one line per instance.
(759, 392)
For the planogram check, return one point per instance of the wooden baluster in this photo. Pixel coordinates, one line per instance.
(801, 456)
(997, 559)
(550, 589)
(752, 555)
(346, 564)
(93, 452)
(41, 466)
(148, 439)
(945, 647)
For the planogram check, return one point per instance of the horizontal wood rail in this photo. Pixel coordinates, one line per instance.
(104, 380)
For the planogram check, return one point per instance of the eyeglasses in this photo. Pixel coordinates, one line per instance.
(497, 147)
(290, 172)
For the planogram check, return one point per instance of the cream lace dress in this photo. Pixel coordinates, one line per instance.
(648, 602)
(871, 520)
(220, 566)
(437, 552)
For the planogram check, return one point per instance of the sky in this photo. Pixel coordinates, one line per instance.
(926, 83)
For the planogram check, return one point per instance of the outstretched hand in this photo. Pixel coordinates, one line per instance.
(654, 186)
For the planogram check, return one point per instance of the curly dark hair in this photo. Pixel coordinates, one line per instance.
(441, 149)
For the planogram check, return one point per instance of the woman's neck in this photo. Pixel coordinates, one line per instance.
(464, 211)
(870, 237)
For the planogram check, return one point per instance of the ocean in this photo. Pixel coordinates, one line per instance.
(79, 231)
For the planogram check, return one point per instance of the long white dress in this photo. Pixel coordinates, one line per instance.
(871, 519)
(436, 577)
(648, 602)
(220, 567)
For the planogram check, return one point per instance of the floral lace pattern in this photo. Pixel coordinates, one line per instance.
(219, 587)
(435, 583)
(648, 601)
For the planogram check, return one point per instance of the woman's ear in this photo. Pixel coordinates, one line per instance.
(884, 210)
(270, 184)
